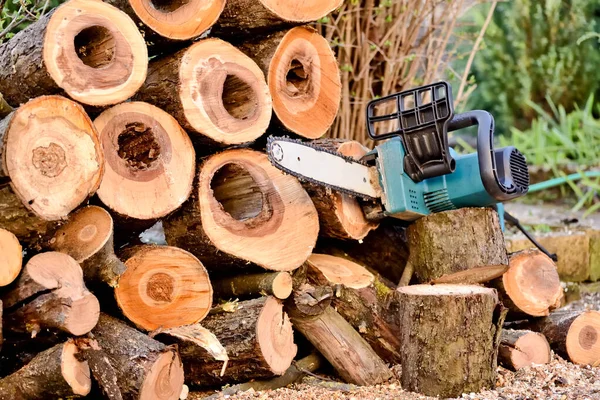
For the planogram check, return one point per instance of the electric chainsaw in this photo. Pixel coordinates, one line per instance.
(414, 172)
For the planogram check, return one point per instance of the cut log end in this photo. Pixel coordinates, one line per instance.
(76, 373)
(341, 271)
(275, 336)
(11, 257)
(95, 52)
(150, 161)
(282, 285)
(446, 290)
(519, 349)
(165, 378)
(163, 287)
(304, 81)
(307, 11)
(583, 339)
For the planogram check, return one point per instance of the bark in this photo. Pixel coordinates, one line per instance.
(278, 284)
(100, 367)
(522, 348)
(450, 338)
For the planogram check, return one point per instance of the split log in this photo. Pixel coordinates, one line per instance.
(146, 369)
(574, 335)
(365, 301)
(521, 348)
(245, 212)
(88, 49)
(163, 287)
(11, 257)
(54, 373)
(303, 77)
(458, 246)
(531, 286)
(217, 94)
(278, 284)
(243, 17)
(259, 340)
(50, 294)
(450, 338)
(52, 157)
(150, 162)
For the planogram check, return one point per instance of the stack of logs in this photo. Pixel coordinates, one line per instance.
(102, 144)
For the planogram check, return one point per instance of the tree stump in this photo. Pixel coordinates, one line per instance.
(450, 336)
(521, 348)
(278, 284)
(244, 213)
(11, 257)
(88, 49)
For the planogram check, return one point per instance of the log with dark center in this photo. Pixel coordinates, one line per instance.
(521, 348)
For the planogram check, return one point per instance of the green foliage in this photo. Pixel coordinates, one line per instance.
(16, 15)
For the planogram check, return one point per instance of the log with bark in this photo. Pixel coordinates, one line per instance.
(11, 257)
(87, 49)
(244, 212)
(100, 367)
(303, 77)
(150, 162)
(216, 92)
(53, 160)
(531, 286)
(50, 294)
(54, 373)
(278, 284)
(522, 348)
(146, 369)
(450, 336)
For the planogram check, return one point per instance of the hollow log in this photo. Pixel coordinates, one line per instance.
(163, 287)
(50, 294)
(216, 92)
(87, 49)
(278, 284)
(150, 161)
(244, 212)
(146, 369)
(303, 77)
(450, 336)
(52, 158)
(11, 257)
(531, 286)
(458, 246)
(522, 348)
(54, 373)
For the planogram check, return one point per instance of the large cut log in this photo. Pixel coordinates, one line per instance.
(259, 340)
(163, 287)
(50, 294)
(54, 373)
(52, 158)
(150, 162)
(522, 348)
(574, 335)
(245, 212)
(87, 49)
(458, 246)
(217, 94)
(303, 78)
(278, 284)
(146, 369)
(531, 285)
(450, 337)
(243, 17)
(11, 257)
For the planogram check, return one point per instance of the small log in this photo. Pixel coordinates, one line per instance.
(150, 161)
(100, 367)
(88, 49)
(163, 287)
(245, 212)
(303, 77)
(531, 286)
(50, 294)
(521, 348)
(278, 284)
(53, 160)
(146, 369)
(217, 94)
(259, 340)
(450, 336)
(11, 257)
(468, 242)
(54, 373)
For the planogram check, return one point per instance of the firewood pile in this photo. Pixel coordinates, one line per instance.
(123, 113)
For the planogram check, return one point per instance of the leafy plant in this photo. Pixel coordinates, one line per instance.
(16, 15)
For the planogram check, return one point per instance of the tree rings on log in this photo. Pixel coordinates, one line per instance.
(163, 287)
(215, 92)
(52, 156)
(450, 336)
(245, 211)
(520, 348)
(11, 257)
(90, 49)
(150, 161)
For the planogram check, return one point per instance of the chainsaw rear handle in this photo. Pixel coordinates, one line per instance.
(503, 171)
